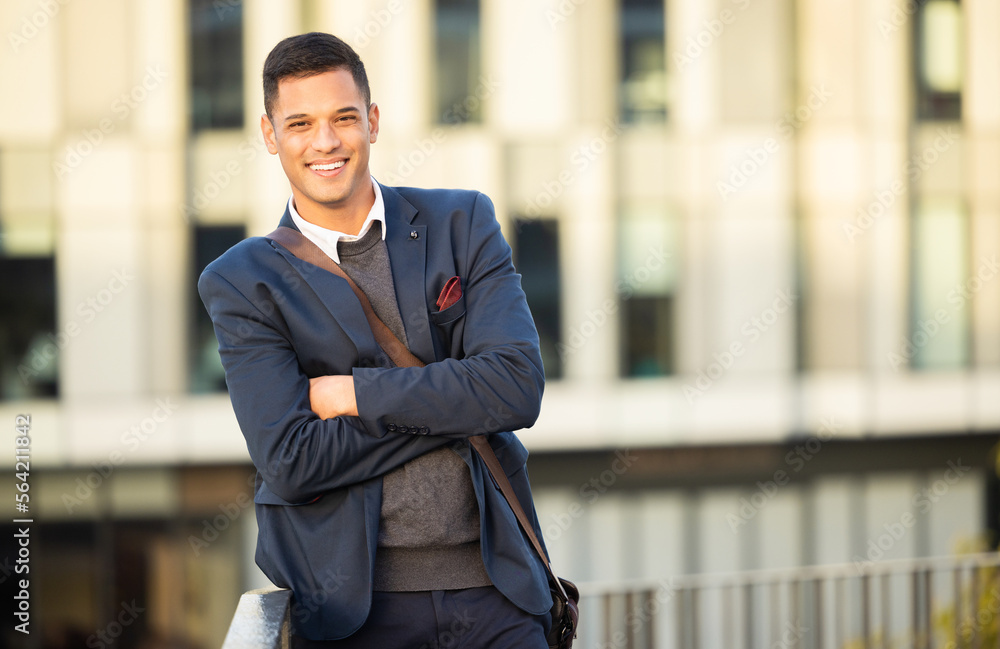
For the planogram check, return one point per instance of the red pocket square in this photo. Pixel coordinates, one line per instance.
(450, 294)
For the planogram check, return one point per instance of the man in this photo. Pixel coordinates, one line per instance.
(371, 506)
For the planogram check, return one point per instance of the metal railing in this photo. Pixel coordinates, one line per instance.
(261, 621)
(935, 603)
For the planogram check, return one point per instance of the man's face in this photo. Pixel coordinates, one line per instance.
(323, 134)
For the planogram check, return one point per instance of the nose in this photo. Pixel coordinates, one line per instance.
(325, 139)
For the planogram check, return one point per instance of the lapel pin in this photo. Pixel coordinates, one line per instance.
(414, 235)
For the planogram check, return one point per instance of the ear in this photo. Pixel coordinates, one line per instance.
(267, 129)
(373, 117)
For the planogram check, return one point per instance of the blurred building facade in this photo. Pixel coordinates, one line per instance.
(760, 241)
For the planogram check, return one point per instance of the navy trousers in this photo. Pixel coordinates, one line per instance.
(470, 618)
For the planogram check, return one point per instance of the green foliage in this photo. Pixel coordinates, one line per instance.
(974, 620)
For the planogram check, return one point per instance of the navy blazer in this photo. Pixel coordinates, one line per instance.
(280, 321)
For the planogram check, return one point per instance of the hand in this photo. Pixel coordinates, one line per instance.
(332, 396)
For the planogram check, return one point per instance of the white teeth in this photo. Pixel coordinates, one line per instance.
(329, 167)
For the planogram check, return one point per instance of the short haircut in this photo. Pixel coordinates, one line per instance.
(309, 54)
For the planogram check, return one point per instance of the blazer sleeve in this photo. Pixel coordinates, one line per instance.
(299, 455)
(497, 386)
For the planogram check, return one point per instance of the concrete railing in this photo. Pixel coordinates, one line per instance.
(261, 621)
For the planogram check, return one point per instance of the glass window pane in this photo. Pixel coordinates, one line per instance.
(458, 61)
(643, 56)
(536, 247)
(26, 202)
(647, 281)
(939, 332)
(942, 53)
(207, 374)
(29, 343)
(216, 64)
(647, 327)
(29, 348)
(644, 263)
(938, 59)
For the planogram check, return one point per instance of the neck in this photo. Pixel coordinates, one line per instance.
(340, 218)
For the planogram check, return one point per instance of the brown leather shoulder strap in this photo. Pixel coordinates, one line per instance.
(300, 246)
(482, 446)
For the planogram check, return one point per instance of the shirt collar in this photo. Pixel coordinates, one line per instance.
(327, 239)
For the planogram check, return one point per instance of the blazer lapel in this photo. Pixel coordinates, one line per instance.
(407, 245)
(335, 294)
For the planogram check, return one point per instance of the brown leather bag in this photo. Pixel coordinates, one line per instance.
(565, 595)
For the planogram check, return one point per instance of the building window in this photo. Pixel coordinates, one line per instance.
(643, 61)
(216, 64)
(647, 283)
(30, 343)
(458, 61)
(536, 248)
(210, 241)
(939, 61)
(29, 346)
(942, 290)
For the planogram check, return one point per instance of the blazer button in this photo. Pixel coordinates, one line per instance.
(391, 428)
(424, 430)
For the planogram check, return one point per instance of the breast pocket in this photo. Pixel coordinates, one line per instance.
(447, 330)
(449, 315)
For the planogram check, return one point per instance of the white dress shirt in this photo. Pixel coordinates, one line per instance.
(327, 239)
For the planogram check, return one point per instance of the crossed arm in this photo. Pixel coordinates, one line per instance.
(333, 396)
(308, 435)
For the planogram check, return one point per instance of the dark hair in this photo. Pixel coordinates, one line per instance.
(306, 55)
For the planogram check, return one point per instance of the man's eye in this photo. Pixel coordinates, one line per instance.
(348, 119)
(296, 124)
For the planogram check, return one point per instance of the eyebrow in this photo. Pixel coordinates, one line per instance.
(340, 111)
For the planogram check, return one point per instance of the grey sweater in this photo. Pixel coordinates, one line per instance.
(429, 526)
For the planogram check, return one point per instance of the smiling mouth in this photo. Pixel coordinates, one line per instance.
(328, 167)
